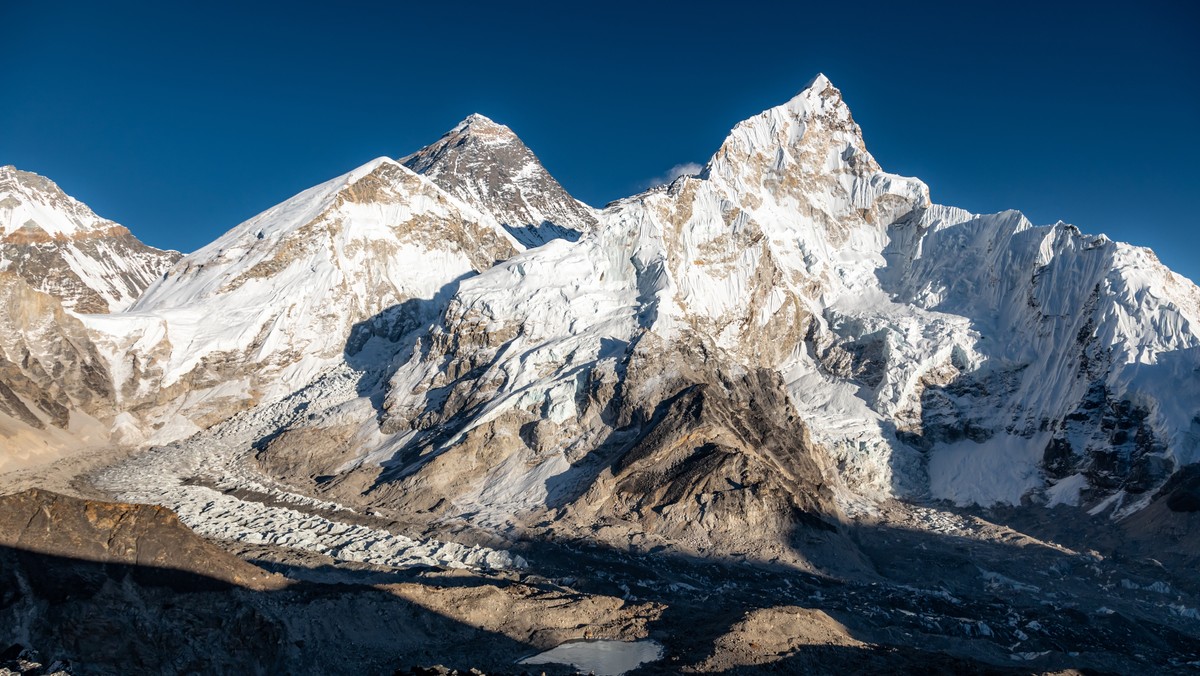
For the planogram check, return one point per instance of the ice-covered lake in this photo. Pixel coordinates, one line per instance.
(603, 658)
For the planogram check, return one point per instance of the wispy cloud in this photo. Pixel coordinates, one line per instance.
(685, 169)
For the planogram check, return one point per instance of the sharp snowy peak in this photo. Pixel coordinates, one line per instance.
(790, 214)
(59, 246)
(486, 165)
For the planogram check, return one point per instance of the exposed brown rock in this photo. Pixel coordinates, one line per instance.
(51, 375)
(770, 635)
(119, 533)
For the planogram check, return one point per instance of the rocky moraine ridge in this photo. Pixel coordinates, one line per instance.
(785, 414)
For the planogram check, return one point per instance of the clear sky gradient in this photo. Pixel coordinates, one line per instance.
(181, 119)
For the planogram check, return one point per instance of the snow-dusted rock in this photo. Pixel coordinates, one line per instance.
(486, 165)
(58, 245)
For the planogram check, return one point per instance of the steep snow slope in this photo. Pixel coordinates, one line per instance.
(59, 259)
(1089, 349)
(486, 165)
(59, 246)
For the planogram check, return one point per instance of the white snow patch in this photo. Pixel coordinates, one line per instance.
(1116, 498)
(1184, 611)
(1066, 491)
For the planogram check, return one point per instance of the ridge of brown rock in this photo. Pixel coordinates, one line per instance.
(119, 533)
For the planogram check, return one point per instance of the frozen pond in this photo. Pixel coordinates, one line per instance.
(603, 658)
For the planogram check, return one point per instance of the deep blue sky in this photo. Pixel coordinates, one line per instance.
(181, 119)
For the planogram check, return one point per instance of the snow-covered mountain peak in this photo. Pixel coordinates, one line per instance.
(485, 164)
(819, 83)
(61, 247)
(802, 173)
(483, 128)
(813, 131)
(367, 169)
(281, 293)
(34, 208)
(819, 97)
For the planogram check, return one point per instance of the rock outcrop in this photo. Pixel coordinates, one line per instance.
(147, 539)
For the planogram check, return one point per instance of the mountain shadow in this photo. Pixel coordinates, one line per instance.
(532, 236)
(937, 603)
(112, 588)
(380, 344)
(943, 603)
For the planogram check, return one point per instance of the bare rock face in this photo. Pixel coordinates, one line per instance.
(59, 246)
(486, 165)
(145, 536)
(706, 458)
(120, 588)
(770, 635)
(55, 388)
(668, 446)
